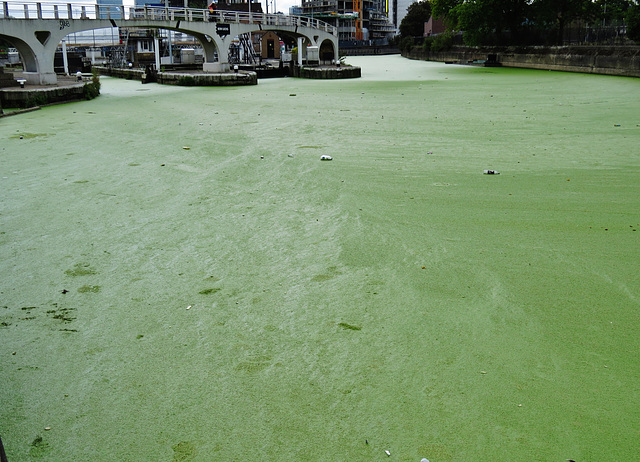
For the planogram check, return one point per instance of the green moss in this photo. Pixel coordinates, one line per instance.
(62, 314)
(39, 447)
(184, 451)
(209, 291)
(186, 81)
(27, 136)
(80, 269)
(92, 89)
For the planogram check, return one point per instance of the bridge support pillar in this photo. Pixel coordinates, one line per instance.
(300, 40)
(64, 57)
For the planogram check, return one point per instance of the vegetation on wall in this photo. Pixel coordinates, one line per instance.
(92, 89)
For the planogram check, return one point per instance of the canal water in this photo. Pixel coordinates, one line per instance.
(183, 279)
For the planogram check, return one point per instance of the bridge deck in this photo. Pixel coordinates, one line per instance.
(65, 11)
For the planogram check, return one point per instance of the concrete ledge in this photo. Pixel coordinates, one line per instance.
(204, 80)
(129, 74)
(30, 97)
(620, 61)
(345, 72)
(187, 79)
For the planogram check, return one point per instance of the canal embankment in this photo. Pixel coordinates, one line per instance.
(620, 61)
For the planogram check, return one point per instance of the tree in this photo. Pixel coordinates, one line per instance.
(444, 9)
(633, 23)
(484, 21)
(412, 24)
(612, 10)
(559, 13)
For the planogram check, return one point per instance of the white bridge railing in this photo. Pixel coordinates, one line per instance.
(65, 11)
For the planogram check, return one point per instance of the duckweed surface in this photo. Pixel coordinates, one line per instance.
(499, 315)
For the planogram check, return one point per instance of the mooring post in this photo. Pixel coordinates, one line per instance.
(3, 455)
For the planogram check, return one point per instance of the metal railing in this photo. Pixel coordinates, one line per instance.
(66, 11)
(47, 10)
(223, 16)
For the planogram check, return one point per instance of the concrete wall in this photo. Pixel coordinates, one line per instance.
(195, 79)
(25, 98)
(226, 79)
(622, 61)
(346, 72)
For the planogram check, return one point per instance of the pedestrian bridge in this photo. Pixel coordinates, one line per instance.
(37, 29)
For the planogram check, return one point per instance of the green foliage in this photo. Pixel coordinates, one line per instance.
(412, 24)
(558, 13)
(95, 79)
(442, 42)
(90, 90)
(612, 10)
(406, 44)
(512, 22)
(444, 9)
(633, 23)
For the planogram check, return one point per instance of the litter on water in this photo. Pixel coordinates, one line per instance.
(325, 157)
(491, 172)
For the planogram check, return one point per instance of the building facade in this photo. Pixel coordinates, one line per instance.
(356, 20)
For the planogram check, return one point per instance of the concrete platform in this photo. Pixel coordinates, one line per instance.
(65, 90)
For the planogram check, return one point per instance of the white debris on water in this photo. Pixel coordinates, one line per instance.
(491, 172)
(325, 157)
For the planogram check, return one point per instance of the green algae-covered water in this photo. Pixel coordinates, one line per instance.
(242, 300)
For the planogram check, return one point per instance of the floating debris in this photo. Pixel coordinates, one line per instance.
(189, 307)
(325, 157)
(292, 94)
(387, 453)
(491, 172)
(186, 148)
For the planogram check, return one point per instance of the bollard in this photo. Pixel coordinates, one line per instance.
(3, 455)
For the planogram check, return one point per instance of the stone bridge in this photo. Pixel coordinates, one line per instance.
(37, 29)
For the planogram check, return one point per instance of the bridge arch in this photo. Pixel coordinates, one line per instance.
(29, 58)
